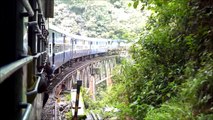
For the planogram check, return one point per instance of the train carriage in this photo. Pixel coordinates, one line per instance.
(65, 47)
(68, 48)
(81, 46)
(57, 43)
(25, 22)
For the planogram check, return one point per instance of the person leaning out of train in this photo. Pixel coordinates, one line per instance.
(50, 71)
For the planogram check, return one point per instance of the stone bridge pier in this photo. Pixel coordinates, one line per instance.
(100, 72)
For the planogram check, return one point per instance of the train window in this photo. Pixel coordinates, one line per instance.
(67, 47)
(96, 43)
(58, 48)
(59, 39)
(55, 48)
(75, 41)
(50, 36)
(66, 40)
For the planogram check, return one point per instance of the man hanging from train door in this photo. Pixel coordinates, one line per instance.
(50, 74)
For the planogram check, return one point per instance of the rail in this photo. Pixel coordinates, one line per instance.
(79, 68)
(8, 70)
(27, 6)
(28, 108)
(37, 55)
(35, 89)
(40, 10)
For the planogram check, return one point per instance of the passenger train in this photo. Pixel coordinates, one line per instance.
(29, 44)
(64, 47)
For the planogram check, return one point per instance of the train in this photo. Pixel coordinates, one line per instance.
(28, 44)
(63, 46)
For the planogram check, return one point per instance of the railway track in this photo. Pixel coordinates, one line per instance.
(48, 112)
(70, 70)
(58, 78)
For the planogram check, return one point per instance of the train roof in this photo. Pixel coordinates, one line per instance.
(57, 29)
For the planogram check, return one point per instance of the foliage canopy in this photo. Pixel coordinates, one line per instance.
(170, 74)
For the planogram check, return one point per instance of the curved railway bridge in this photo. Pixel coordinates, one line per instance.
(90, 71)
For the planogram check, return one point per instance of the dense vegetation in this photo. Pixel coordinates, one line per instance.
(99, 18)
(170, 75)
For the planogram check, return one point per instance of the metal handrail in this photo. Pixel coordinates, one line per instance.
(28, 107)
(39, 6)
(28, 7)
(35, 90)
(9, 69)
(40, 10)
(38, 54)
(32, 23)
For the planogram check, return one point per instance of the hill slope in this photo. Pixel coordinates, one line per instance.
(98, 18)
